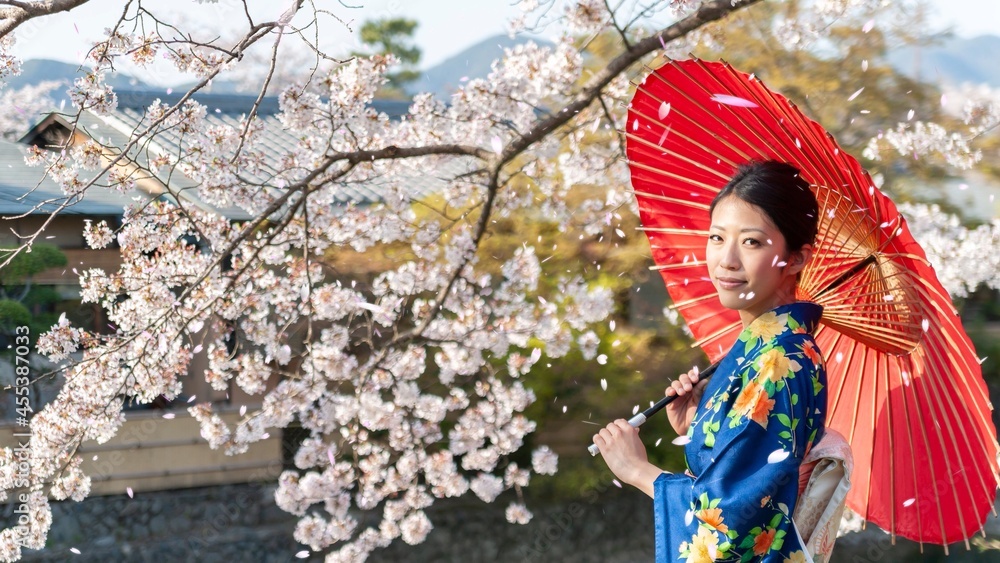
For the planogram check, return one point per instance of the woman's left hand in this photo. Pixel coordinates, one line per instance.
(622, 450)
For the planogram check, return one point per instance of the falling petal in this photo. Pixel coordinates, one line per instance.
(906, 379)
(664, 110)
(620, 233)
(864, 65)
(662, 44)
(564, 409)
(635, 409)
(191, 400)
(750, 295)
(963, 187)
(658, 440)
(635, 124)
(329, 455)
(604, 384)
(302, 554)
(909, 115)
(663, 137)
(688, 517)
(196, 349)
(908, 502)
(856, 94)
(73, 549)
(839, 356)
(243, 410)
(602, 359)
(925, 324)
(681, 440)
(169, 415)
(617, 484)
(868, 26)
(612, 325)
(733, 101)
(129, 491)
(777, 456)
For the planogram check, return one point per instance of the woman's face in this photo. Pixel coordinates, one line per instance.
(747, 259)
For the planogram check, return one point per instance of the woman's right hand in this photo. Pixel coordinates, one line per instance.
(688, 388)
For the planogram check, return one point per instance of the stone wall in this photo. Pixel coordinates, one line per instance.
(233, 523)
(240, 523)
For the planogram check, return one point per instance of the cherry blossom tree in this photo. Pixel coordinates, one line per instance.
(413, 388)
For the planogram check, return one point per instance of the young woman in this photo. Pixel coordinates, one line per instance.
(751, 424)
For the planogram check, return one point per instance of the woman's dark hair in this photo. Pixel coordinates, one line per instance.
(777, 189)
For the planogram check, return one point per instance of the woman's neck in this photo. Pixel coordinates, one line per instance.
(783, 296)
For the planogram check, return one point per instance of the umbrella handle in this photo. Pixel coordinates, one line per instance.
(638, 420)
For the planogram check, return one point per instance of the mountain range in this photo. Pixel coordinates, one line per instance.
(954, 61)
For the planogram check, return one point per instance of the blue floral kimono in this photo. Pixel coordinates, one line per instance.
(760, 413)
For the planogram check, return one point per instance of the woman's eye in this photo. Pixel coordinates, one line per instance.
(751, 242)
(714, 238)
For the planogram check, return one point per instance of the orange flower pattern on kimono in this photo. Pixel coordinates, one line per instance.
(760, 413)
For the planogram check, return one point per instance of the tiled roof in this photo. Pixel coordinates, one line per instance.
(22, 187)
(226, 109)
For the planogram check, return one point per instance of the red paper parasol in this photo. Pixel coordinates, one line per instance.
(905, 385)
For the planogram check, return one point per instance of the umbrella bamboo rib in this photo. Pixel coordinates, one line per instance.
(669, 175)
(892, 459)
(906, 388)
(664, 151)
(658, 197)
(661, 267)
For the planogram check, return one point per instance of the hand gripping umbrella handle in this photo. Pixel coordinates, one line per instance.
(637, 420)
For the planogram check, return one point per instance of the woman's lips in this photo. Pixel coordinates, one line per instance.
(730, 283)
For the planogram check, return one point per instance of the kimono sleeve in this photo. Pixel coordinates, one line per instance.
(738, 508)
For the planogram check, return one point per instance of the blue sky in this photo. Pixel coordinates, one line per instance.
(446, 26)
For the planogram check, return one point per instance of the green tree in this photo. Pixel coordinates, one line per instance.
(393, 36)
(19, 299)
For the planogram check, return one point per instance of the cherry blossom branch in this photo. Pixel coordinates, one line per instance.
(706, 13)
(19, 12)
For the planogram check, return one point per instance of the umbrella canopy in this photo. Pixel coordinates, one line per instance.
(904, 383)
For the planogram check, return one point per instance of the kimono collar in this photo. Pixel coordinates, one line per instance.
(805, 313)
